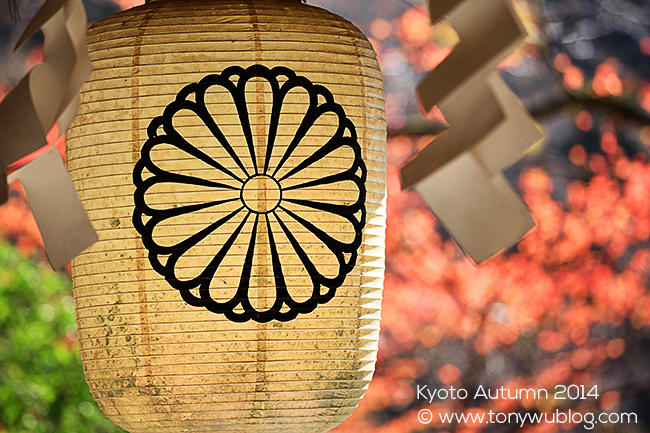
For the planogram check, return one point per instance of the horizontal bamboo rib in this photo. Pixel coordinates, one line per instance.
(82, 163)
(236, 370)
(329, 341)
(121, 126)
(275, 42)
(337, 397)
(234, 414)
(239, 424)
(106, 36)
(351, 399)
(322, 388)
(98, 149)
(125, 349)
(96, 355)
(127, 255)
(248, 369)
(103, 365)
(334, 311)
(124, 342)
(230, 379)
(325, 337)
(111, 298)
(234, 392)
(194, 17)
(342, 78)
(371, 117)
(119, 295)
(216, 411)
(114, 75)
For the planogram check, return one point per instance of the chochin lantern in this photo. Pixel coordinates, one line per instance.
(231, 156)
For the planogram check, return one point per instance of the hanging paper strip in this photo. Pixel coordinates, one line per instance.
(48, 94)
(460, 174)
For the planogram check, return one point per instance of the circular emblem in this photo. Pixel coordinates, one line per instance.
(286, 216)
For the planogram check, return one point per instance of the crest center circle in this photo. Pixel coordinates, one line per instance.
(261, 194)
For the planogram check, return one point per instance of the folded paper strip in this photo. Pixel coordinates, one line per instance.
(460, 174)
(47, 95)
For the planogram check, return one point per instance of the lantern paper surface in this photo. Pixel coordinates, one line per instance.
(231, 156)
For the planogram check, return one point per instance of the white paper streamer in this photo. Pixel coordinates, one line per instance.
(460, 174)
(48, 94)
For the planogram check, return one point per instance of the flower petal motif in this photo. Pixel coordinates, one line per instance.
(255, 215)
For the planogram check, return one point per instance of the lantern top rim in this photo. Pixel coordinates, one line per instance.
(232, 1)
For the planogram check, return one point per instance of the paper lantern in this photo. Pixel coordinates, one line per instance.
(231, 156)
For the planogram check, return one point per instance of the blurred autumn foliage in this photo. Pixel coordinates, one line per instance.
(570, 304)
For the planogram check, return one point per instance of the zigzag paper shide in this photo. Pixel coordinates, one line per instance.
(49, 94)
(459, 175)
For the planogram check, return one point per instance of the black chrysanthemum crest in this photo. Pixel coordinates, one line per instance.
(279, 203)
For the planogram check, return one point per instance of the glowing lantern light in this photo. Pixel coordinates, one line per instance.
(231, 156)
